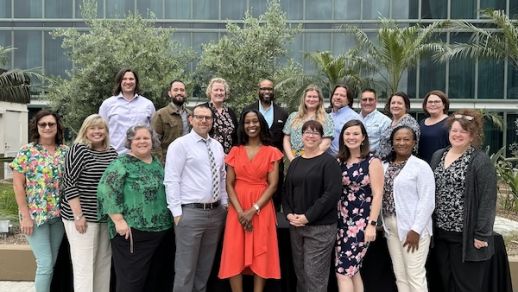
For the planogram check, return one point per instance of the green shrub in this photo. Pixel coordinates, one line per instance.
(8, 207)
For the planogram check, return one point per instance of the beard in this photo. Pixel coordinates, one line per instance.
(178, 100)
(266, 98)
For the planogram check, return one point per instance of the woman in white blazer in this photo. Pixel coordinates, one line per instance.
(408, 204)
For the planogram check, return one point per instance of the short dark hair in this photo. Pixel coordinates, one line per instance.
(176, 80)
(343, 150)
(33, 126)
(392, 154)
(118, 80)
(368, 89)
(350, 97)
(203, 105)
(264, 133)
(405, 97)
(442, 96)
(313, 125)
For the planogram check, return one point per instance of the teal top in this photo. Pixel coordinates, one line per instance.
(135, 189)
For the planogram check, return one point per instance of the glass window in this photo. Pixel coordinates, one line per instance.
(183, 38)
(155, 6)
(58, 9)
(434, 9)
(201, 38)
(296, 49)
(492, 136)
(466, 9)
(494, 4)
(231, 9)
(258, 7)
(490, 79)
(513, 9)
(293, 8)
(178, 9)
(462, 72)
(56, 62)
(5, 8)
(512, 82)
(512, 131)
(432, 76)
(319, 9)
(347, 9)
(315, 42)
(119, 8)
(374, 9)
(342, 43)
(402, 9)
(5, 41)
(28, 9)
(100, 8)
(205, 9)
(28, 49)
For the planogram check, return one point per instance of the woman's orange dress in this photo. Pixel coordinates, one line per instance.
(257, 251)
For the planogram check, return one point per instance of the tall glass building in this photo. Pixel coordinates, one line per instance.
(25, 25)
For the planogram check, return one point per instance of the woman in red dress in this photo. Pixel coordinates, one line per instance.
(250, 240)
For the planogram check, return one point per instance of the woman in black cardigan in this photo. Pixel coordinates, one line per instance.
(465, 205)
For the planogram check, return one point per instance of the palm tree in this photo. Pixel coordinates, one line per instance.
(397, 49)
(14, 84)
(499, 43)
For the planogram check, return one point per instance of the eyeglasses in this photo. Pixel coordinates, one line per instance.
(202, 118)
(44, 125)
(311, 133)
(467, 118)
(434, 101)
(266, 88)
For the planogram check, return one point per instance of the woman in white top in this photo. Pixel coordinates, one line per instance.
(408, 204)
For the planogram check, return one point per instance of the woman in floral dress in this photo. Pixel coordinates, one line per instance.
(37, 173)
(359, 205)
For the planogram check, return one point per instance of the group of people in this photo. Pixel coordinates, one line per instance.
(134, 174)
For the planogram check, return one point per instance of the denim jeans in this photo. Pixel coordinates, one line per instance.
(45, 241)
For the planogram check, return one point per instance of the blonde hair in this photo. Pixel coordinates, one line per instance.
(92, 121)
(320, 114)
(217, 80)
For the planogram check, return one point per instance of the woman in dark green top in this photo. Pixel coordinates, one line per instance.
(131, 192)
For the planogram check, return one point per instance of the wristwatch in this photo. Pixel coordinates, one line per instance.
(373, 223)
(78, 217)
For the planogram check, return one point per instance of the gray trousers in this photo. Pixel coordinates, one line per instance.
(311, 248)
(197, 237)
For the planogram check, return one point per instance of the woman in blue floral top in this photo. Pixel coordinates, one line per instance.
(37, 172)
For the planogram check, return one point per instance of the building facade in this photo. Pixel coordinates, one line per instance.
(25, 25)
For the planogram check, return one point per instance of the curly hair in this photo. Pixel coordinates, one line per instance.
(472, 121)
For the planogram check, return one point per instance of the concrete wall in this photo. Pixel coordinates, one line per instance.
(13, 132)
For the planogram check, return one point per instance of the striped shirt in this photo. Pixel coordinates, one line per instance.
(83, 170)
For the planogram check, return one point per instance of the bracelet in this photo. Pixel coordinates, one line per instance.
(78, 217)
(257, 209)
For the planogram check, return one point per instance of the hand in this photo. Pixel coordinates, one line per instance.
(177, 220)
(297, 220)
(26, 225)
(122, 228)
(412, 241)
(480, 244)
(245, 218)
(370, 233)
(81, 225)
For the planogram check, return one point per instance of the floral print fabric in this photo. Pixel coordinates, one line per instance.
(223, 127)
(449, 192)
(354, 208)
(294, 130)
(43, 172)
(134, 189)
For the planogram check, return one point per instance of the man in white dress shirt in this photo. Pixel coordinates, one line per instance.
(196, 195)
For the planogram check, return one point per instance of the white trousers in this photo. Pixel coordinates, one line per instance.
(91, 256)
(409, 267)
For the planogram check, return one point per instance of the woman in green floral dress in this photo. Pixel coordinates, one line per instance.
(131, 192)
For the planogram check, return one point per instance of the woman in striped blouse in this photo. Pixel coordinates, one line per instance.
(89, 241)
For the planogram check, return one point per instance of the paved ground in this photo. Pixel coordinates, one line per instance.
(503, 226)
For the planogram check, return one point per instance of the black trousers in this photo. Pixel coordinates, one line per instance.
(455, 275)
(132, 269)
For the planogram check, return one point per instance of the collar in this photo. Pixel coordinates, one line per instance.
(174, 109)
(122, 96)
(369, 114)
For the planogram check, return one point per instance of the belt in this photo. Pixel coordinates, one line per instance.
(204, 206)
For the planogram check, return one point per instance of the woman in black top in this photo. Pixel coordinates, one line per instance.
(465, 205)
(313, 187)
